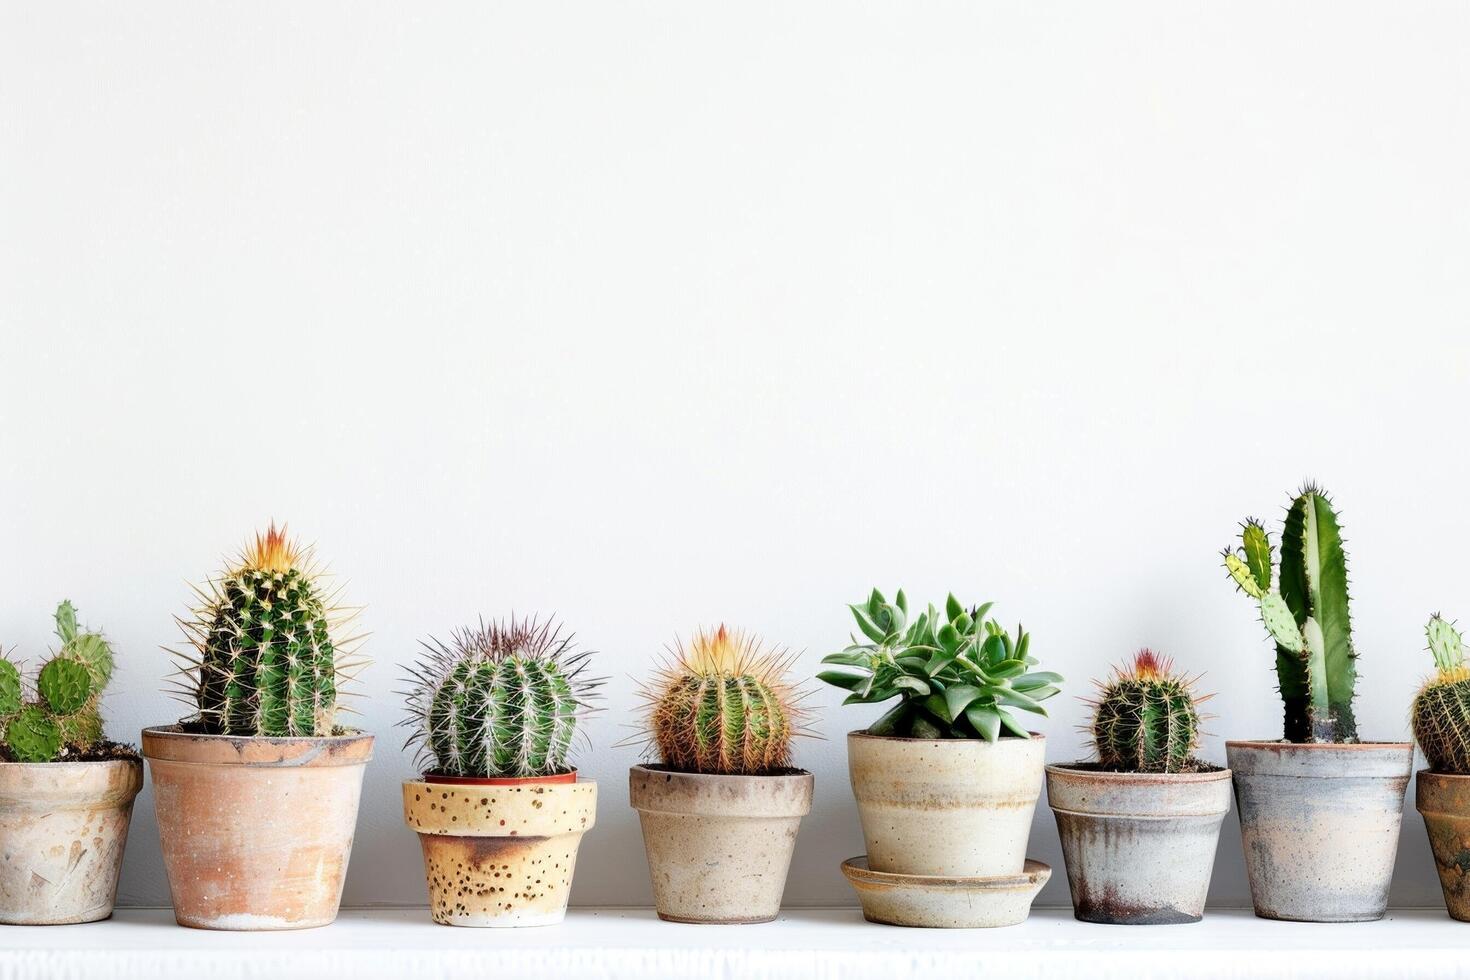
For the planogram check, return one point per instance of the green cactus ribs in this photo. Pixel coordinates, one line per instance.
(956, 674)
(723, 706)
(268, 657)
(1146, 718)
(1306, 613)
(501, 700)
(63, 719)
(1441, 711)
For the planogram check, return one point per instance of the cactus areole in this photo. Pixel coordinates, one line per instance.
(1304, 607)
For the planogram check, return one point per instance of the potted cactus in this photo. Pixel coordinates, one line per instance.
(1319, 810)
(1139, 826)
(268, 653)
(720, 811)
(499, 812)
(947, 779)
(1441, 720)
(66, 793)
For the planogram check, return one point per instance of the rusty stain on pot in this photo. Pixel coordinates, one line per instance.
(64, 826)
(1320, 825)
(501, 855)
(1443, 800)
(1139, 847)
(227, 867)
(719, 847)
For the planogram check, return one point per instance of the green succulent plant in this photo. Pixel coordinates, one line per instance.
(268, 653)
(501, 700)
(63, 719)
(1146, 718)
(1306, 613)
(956, 674)
(1441, 711)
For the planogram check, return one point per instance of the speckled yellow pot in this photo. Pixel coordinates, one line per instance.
(499, 854)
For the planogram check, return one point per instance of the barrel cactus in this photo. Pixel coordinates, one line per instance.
(1306, 613)
(1146, 718)
(1441, 711)
(268, 651)
(501, 700)
(723, 705)
(956, 673)
(63, 719)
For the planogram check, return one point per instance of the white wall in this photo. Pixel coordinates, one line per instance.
(657, 314)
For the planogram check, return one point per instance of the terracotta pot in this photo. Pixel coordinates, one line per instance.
(63, 826)
(1139, 847)
(256, 832)
(718, 847)
(499, 854)
(1443, 800)
(946, 807)
(1320, 824)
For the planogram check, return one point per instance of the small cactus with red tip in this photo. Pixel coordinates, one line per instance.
(1146, 718)
(1441, 711)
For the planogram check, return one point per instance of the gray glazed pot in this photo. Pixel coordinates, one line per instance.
(1320, 825)
(1139, 847)
(718, 847)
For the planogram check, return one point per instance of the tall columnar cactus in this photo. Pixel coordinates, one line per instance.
(723, 706)
(1146, 718)
(1306, 614)
(63, 719)
(1441, 711)
(502, 700)
(268, 652)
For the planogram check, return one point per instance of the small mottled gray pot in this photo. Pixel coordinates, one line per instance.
(500, 852)
(1139, 847)
(63, 826)
(1320, 824)
(955, 808)
(718, 847)
(1443, 800)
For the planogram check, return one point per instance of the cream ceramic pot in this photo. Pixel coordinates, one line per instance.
(718, 847)
(63, 826)
(946, 807)
(499, 854)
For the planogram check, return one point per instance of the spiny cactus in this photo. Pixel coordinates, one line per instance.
(1306, 614)
(1146, 718)
(500, 700)
(1441, 711)
(723, 706)
(268, 652)
(956, 675)
(64, 718)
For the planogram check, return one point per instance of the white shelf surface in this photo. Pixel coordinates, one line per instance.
(811, 944)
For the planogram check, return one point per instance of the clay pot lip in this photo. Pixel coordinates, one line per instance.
(1003, 740)
(171, 744)
(785, 795)
(1280, 744)
(1076, 771)
(1033, 875)
(659, 769)
(1428, 773)
(556, 779)
(65, 765)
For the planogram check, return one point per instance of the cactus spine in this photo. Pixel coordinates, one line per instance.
(502, 700)
(723, 706)
(267, 658)
(63, 718)
(1441, 711)
(1146, 718)
(1306, 614)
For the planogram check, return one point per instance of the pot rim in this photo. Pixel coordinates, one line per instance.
(1072, 769)
(1428, 773)
(71, 763)
(1281, 743)
(657, 768)
(170, 744)
(862, 733)
(1032, 873)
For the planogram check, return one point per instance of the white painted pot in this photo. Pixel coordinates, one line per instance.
(946, 807)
